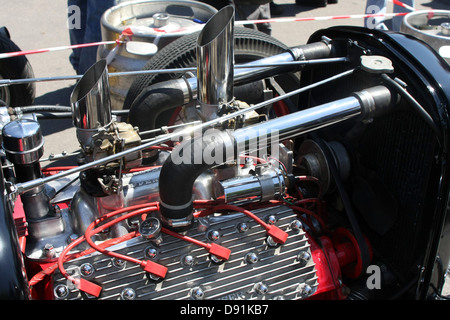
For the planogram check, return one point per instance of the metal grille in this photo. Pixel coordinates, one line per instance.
(276, 271)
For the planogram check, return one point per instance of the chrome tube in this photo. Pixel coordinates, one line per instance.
(90, 101)
(215, 59)
(265, 185)
(297, 123)
(366, 104)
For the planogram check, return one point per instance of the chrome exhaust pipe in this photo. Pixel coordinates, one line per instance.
(215, 62)
(90, 102)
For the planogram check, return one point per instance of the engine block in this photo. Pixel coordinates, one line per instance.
(258, 268)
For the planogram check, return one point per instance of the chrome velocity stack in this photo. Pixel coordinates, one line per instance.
(215, 62)
(90, 102)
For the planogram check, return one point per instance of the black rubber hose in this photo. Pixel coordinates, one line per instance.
(53, 115)
(156, 99)
(185, 164)
(415, 105)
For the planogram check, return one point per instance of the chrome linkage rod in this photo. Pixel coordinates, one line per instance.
(8, 82)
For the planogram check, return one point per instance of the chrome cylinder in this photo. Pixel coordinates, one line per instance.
(24, 145)
(23, 141)
(215, 60)
(90, 101)
(268, 184)
(300, 122)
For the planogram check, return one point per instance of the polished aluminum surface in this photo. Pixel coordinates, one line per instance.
(276, 273)
(268, 185)
(90, 102)
(215, 59)
(23, 141)
(298, 123)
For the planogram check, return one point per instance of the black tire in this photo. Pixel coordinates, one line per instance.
(15, 68)
(181, 53)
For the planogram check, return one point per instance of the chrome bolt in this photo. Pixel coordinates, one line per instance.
(57, 209)
(49, 251)
(305, 290)
(61, 291)
(242, 227)
(303, 257)
(188, 260)
(271, 219)
(296, 225)
(215, 259)
(197, 293)
(150, 252)
(153, 277)
(213, 235)
(119, 263)
(87, 269)
(128, 294)
(72, 238)
(261, 288)
(271, 242)
(251, 257)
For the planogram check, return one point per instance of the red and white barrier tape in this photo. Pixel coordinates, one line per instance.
(354, 16)
(126, 33)
(401, 4)
(23, 53)
(129, 32)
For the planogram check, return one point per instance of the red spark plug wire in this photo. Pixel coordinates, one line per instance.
(278, 235)
(49, 270)
(148, 266)
(213, 248)
(89, 287)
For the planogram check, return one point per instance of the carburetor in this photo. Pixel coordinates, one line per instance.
(99, 134)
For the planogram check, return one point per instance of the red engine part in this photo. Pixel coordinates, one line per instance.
(336, 257)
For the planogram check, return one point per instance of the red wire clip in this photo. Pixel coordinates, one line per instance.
(213, 248)
(154, 268)
(278, 235)
(88, 287)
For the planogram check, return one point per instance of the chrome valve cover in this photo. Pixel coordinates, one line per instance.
(257, 268)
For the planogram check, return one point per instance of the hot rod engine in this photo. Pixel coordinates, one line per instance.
(314, 173)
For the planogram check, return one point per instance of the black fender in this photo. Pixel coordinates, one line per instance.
(13, 279)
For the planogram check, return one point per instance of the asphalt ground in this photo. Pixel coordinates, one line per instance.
(36, 24)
